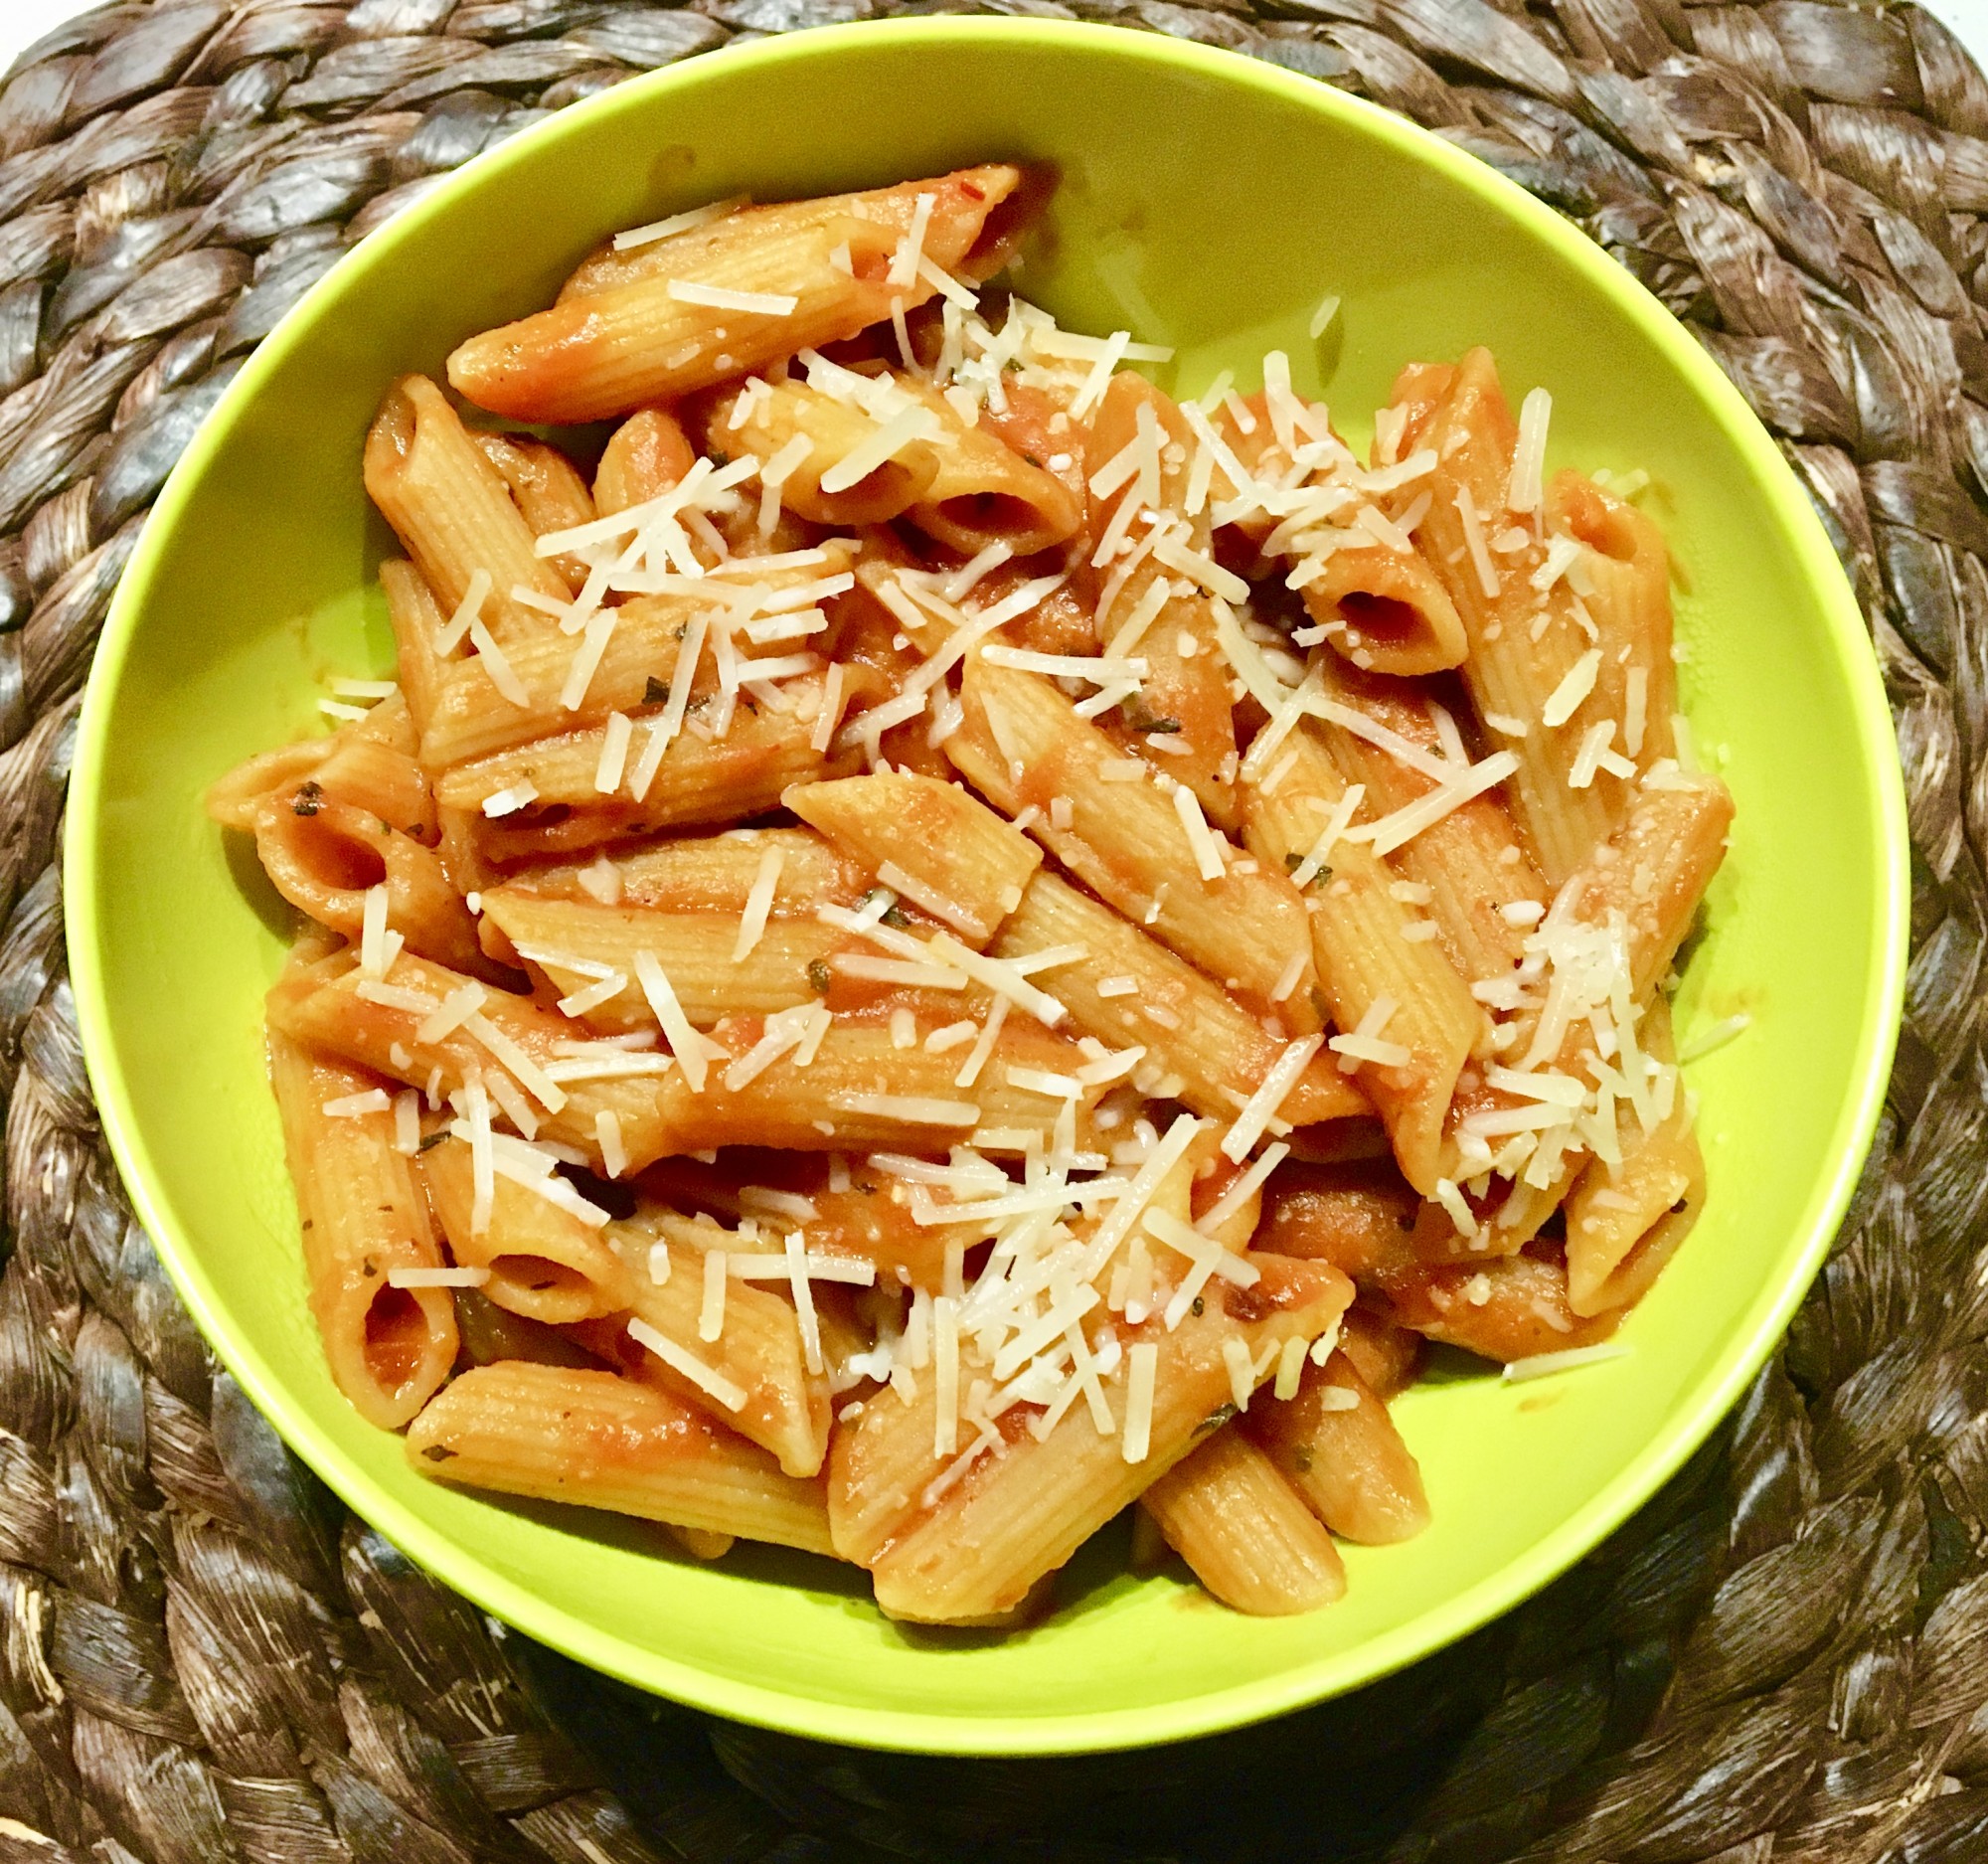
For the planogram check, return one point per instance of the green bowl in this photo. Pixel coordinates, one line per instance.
(1208, 202)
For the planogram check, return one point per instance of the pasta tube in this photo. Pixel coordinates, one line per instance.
(1023, 744)
(1021, 1510)
(606, 1442)
(1400, 998)
(453, 512)
(752, 290)
(1346, 1459)
(543, 1261)
(363, 1217)
(948, 854)
(1229, 1513)
(1127, 989)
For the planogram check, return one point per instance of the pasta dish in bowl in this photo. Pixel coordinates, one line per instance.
(930, 922)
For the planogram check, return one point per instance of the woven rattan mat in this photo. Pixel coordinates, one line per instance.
(1785, 1657)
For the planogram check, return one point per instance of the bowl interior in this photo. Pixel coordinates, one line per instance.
(1208, 203)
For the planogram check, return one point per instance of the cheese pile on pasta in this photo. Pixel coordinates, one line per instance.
(943, 943)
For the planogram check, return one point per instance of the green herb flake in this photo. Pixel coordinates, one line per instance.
(1142, 717)
(818, 976)
(656, 693)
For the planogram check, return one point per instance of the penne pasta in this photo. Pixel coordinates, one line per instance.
(363, 1217)
(753, 1377)
(1023, 746)
(454, 514)
(646, 455)
(543, 1261)
(1229, 1513)
(579, 946)
(335, 1007)
(768, 283)
(983, 493)
(1018, 1512)
(694, 783)
(548, 490)
(561, 1434)
(417, 621)
(949, 855)
(1180, 717)
(816, 437)
(1401, 999)
(1346, 1459)
(943, 943)
(1621, 1215)
(326, 857)
(1510, 1308)
(1199, 1043)
(834, 1101)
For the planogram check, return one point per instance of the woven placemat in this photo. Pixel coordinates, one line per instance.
(1785, 1655)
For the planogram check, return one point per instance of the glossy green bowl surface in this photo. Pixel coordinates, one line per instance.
(1210, 202)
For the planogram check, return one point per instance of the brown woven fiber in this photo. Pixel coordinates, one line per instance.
(1784, 1657)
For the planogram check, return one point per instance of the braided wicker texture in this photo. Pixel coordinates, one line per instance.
(1785, 1655)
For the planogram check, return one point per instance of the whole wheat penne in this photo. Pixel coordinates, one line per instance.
(606, 1442)
(952, 857)
(1203, 1047)
(453, 510)
(1347, 1460)
(618, 347)
(1381, 986)
(1023, 744)
(1229, 1513)
(544, 1263)
(363, 1217)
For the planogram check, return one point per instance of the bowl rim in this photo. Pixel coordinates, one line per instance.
(467, 1572)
